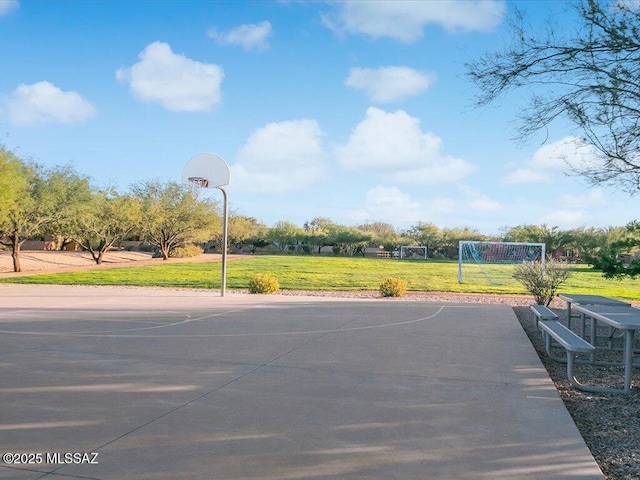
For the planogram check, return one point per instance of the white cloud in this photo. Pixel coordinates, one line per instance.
(569, 152)
(405, 20)
(478, 201)
(8, 6)
(281, 157)
(575, 210)
(627, 5)
(578, 155)
(441, 206)
(392, 145)
(390, 198)
(567, 218)
(594, 198)
(43, 102)
(387, 204)
(389, 84)
(253, 36)
(179, 83)
(391, 205)
(525, 175)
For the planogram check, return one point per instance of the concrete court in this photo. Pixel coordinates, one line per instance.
(172, 384)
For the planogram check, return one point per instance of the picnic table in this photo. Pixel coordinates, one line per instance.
(624, 318)
(576, 298)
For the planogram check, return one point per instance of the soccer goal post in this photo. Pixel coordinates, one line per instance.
(413, 252)
(488, 261)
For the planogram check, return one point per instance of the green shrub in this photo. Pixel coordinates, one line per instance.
(541, 282)
(263, 283)
(393, 287)
(186, 251)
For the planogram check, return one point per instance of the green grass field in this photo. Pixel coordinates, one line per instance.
(327, 274)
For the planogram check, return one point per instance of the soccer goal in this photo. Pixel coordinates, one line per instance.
(413, 252)
(493, 262)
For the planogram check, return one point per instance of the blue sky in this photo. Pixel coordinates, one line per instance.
(356, 111)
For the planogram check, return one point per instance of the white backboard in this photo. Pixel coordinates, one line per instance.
(206, 170)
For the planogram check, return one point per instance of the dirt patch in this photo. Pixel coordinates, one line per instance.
(33, 261)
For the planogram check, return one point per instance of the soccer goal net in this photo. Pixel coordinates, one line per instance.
(412, 252)
(493, 262)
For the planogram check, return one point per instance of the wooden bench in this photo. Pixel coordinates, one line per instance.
(541, 312)
(573, 344)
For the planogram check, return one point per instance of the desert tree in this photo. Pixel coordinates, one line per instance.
(584, 241)
(284, 235)
(351, 240)
(427, 235)
(586, 72)
(36, 199)
(13, 177)
(244, 231)
(451, 238)
(106, 218)
(382, 234)
(317, 233)
(174, 215)
(555, 239)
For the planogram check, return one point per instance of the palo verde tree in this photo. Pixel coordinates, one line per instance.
(36, 199)
(317, 233)
(174, 215)
(244, 231)
(284, 235)
(104, 219)
(427, 235)
(351, 240)
(382, 234)
(13, 182)
(451, 238)
(587, 72)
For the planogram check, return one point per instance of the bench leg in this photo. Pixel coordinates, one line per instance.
(571, 361)
(547, 344)
(587, 388)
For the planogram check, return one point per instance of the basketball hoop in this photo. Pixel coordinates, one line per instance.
(208, 170)
(199, 181)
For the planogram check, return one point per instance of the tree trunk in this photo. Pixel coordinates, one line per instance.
(95, 255)
(99, 253)
(15, 253)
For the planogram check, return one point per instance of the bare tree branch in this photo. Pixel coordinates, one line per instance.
(589, 75)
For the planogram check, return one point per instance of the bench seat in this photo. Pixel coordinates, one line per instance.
(573, 344)
(567, 339)
(540, 312)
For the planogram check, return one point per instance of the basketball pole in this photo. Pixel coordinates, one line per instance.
(225, 236)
